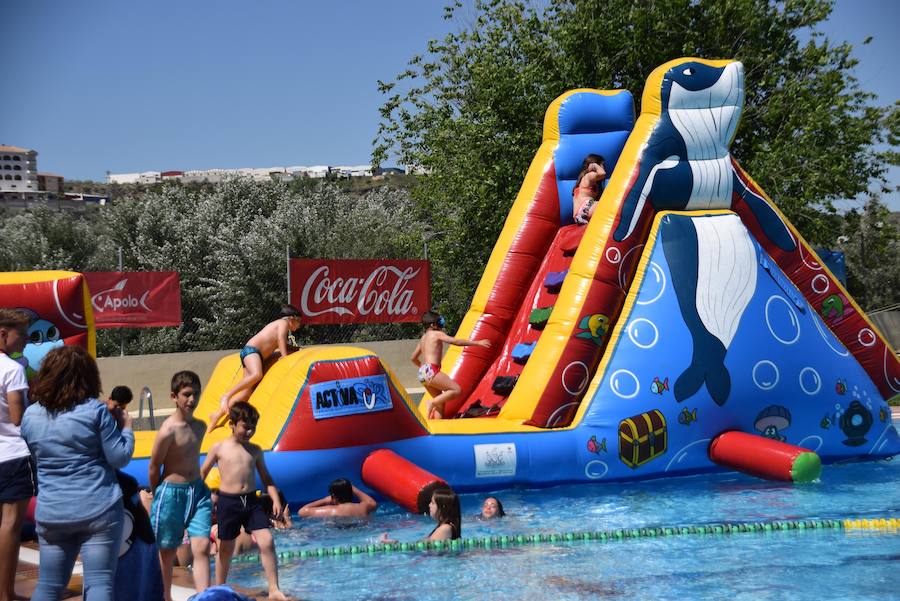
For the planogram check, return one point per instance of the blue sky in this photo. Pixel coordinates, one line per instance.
(138, 86)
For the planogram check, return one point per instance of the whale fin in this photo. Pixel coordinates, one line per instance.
(707, 367)
(772, 225)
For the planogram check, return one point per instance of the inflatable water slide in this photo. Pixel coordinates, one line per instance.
(687, 312)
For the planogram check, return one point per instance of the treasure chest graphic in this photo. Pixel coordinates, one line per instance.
(642, 438)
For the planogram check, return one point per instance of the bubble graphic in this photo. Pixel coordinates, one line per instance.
(782, 320)
(820, 284)
(593, 469)
(654, 283)
(575, 377)
(866, 337)
(624, 384)
(613, 255)
(810, 381)
(643, 333)
(813, 442)
(765, 375)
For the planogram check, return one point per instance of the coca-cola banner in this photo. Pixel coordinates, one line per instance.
(135, 299)
(360, 290)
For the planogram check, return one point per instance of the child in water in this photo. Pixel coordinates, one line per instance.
(427, 357)
(444, 509)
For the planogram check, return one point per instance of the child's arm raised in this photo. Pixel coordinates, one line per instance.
(484, 342)
(161, 445)
(266, 478)
(365, 500)
(315, 507)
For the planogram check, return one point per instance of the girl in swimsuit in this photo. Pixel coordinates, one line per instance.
(587, 188)
(444, 509)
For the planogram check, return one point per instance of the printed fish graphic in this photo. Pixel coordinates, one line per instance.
(827, 421)
(657, 387)
(840, 386)
(595, 447)
(686, 417)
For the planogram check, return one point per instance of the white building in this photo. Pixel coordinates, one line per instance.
(18, 169)
(145, 177)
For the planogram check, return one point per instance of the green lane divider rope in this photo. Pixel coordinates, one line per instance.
(515, 540)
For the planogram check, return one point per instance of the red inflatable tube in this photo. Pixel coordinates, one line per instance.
(764, 457)
(401, 481)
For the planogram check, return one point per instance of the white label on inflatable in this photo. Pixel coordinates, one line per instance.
(495, 460)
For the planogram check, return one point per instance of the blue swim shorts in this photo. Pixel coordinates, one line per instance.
(249, 350)
(178, 507)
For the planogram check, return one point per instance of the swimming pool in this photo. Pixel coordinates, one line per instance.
(814, 564)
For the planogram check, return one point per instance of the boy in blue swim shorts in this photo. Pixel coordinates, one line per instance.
(180, 498)
(259, 348)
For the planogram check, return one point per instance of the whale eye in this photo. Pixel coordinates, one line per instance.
(689, 71)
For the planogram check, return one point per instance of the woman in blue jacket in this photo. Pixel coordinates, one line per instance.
(77, 445)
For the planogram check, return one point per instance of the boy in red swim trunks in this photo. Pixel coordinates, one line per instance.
(427, 357)
(253, 355)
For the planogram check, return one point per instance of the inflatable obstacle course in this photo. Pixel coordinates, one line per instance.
(686, 308)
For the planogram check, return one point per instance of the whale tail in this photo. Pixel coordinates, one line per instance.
(707, 367)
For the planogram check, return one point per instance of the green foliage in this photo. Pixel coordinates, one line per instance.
(470, 109)
(228, 242)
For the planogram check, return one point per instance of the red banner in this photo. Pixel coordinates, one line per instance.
(360, 290)
(135, 299)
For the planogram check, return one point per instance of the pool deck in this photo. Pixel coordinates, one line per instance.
(182, 587)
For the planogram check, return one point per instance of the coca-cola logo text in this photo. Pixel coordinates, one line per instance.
(385, 291)
(115, 299)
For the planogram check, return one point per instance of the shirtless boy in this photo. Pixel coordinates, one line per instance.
(238, 506)
(339, 503)
(427, 357)
(255, 352)
(181, 501)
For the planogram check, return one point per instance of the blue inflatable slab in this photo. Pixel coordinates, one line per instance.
(522, 351)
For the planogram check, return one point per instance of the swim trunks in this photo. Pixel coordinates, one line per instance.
(234, 511)
(427, 371)
(180, 506)
(249, 350)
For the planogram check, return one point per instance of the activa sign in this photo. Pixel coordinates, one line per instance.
(350, 396)
(360, 291)
(137, 299)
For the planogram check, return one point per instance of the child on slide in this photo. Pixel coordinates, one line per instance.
(255, 352)
(587, 188)
(427, 357)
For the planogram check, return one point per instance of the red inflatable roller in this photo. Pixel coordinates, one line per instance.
(401, 481)
(764, 457)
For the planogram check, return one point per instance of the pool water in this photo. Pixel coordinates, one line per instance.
(818, 564)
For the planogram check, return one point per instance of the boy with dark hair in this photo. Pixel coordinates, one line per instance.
(18, 480)
(181, 501)
(339, 503)
(238, 506)
(439, 385)
(274, 336)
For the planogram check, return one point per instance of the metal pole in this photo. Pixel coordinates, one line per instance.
(287, 262)
(121, 332)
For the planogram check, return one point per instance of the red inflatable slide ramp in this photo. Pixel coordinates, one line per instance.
(401, 481)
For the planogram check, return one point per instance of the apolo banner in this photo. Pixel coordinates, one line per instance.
(360, 290)
(135, 299)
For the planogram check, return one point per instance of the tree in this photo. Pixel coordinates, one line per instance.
(470, 109)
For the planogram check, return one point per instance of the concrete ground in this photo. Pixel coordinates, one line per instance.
(155, 371)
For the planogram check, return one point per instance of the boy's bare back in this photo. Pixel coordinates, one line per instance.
(177, 448)
(272, 336)
(237, 465)
(432, 346)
